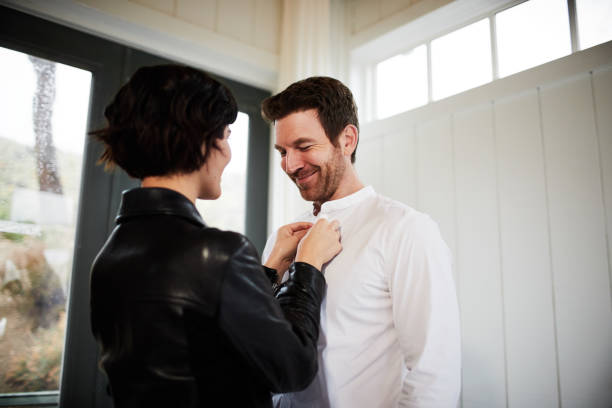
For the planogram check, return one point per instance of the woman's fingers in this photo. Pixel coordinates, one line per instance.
(299, 226)
(300, 234)
(321, 243)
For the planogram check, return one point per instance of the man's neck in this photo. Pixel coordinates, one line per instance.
(350, 184)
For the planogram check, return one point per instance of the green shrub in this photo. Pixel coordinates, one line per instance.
(37, 368)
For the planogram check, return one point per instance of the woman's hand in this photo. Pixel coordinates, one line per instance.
(285, 247)
(321, 243)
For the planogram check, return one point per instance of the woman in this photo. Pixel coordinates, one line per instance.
(185, 314)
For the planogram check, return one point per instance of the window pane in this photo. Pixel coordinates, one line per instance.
(44, 109)
(461, 60)
(401, 82)
(594, 22)
(531, 34)
(228, 212)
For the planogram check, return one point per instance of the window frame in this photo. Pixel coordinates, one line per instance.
(422, 31)
(82, 384)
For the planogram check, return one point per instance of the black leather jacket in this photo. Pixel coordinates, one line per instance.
(185, 315)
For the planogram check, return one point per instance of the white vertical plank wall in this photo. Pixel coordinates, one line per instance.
(399, 149)
(478, 259)
(602, 93)
(370, 161)
(578, 240)
(530, 333)
(520, 182)
(435, 178)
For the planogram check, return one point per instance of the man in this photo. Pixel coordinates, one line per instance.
(390, 323)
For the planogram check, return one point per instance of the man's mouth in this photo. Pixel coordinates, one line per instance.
(303, 178)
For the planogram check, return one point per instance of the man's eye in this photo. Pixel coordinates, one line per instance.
(282, 154)
(304, 148)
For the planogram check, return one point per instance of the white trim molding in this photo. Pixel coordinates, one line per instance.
(139, 27)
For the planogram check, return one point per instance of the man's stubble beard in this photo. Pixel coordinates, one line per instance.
(329, 179)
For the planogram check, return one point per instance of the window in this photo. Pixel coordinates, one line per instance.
(531, 34)
(401, 82)
(41, 150)
(505, 37)
(228, 212)
(594, 22)
(461, 60)
(82, 384)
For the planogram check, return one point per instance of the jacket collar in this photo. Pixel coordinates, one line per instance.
(154, 201)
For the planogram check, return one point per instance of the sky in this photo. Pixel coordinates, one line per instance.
(17, 86)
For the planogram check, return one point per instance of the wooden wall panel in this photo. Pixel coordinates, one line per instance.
(399, 178)
(527, 280)
(435, 178)
(165, 6)
(268, 15)
(390, 7)
(369, 162)
(236, 19)
(602, 86)
(364, 13)
(522, 191)
(202, 12)
(478, 260)
(579, 255)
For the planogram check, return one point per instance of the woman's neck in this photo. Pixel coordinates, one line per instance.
(182, 183)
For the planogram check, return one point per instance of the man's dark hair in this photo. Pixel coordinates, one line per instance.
(159, 121)
(331, 98)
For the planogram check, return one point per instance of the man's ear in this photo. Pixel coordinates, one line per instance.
(348, 140)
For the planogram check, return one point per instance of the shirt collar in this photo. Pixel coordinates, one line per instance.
(153, 201)
(347, 201)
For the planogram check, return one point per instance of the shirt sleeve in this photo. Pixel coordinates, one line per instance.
(426, 315)
(268, 248)
(277, 336)
(266, 253)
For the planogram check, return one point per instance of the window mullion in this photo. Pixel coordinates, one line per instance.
(369, 87)
(494, 62)
(429, 74)
(573, 23)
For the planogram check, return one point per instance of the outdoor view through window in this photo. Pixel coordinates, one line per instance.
(228, 211)
(43, 109)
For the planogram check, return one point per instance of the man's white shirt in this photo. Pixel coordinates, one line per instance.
(390, 333)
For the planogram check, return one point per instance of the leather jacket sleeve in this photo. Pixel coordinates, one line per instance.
(278, 337)
(271, 274)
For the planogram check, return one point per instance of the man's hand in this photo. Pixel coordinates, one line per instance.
(285, 247)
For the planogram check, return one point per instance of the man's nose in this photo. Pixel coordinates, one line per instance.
(293, 162)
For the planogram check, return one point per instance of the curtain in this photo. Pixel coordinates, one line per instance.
(305, 50)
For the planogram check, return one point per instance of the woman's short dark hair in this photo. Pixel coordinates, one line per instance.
(333, 101)
(159, 121)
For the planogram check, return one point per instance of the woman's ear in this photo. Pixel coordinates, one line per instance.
(216, 144)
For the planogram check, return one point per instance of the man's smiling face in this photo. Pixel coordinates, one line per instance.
(308, 157)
